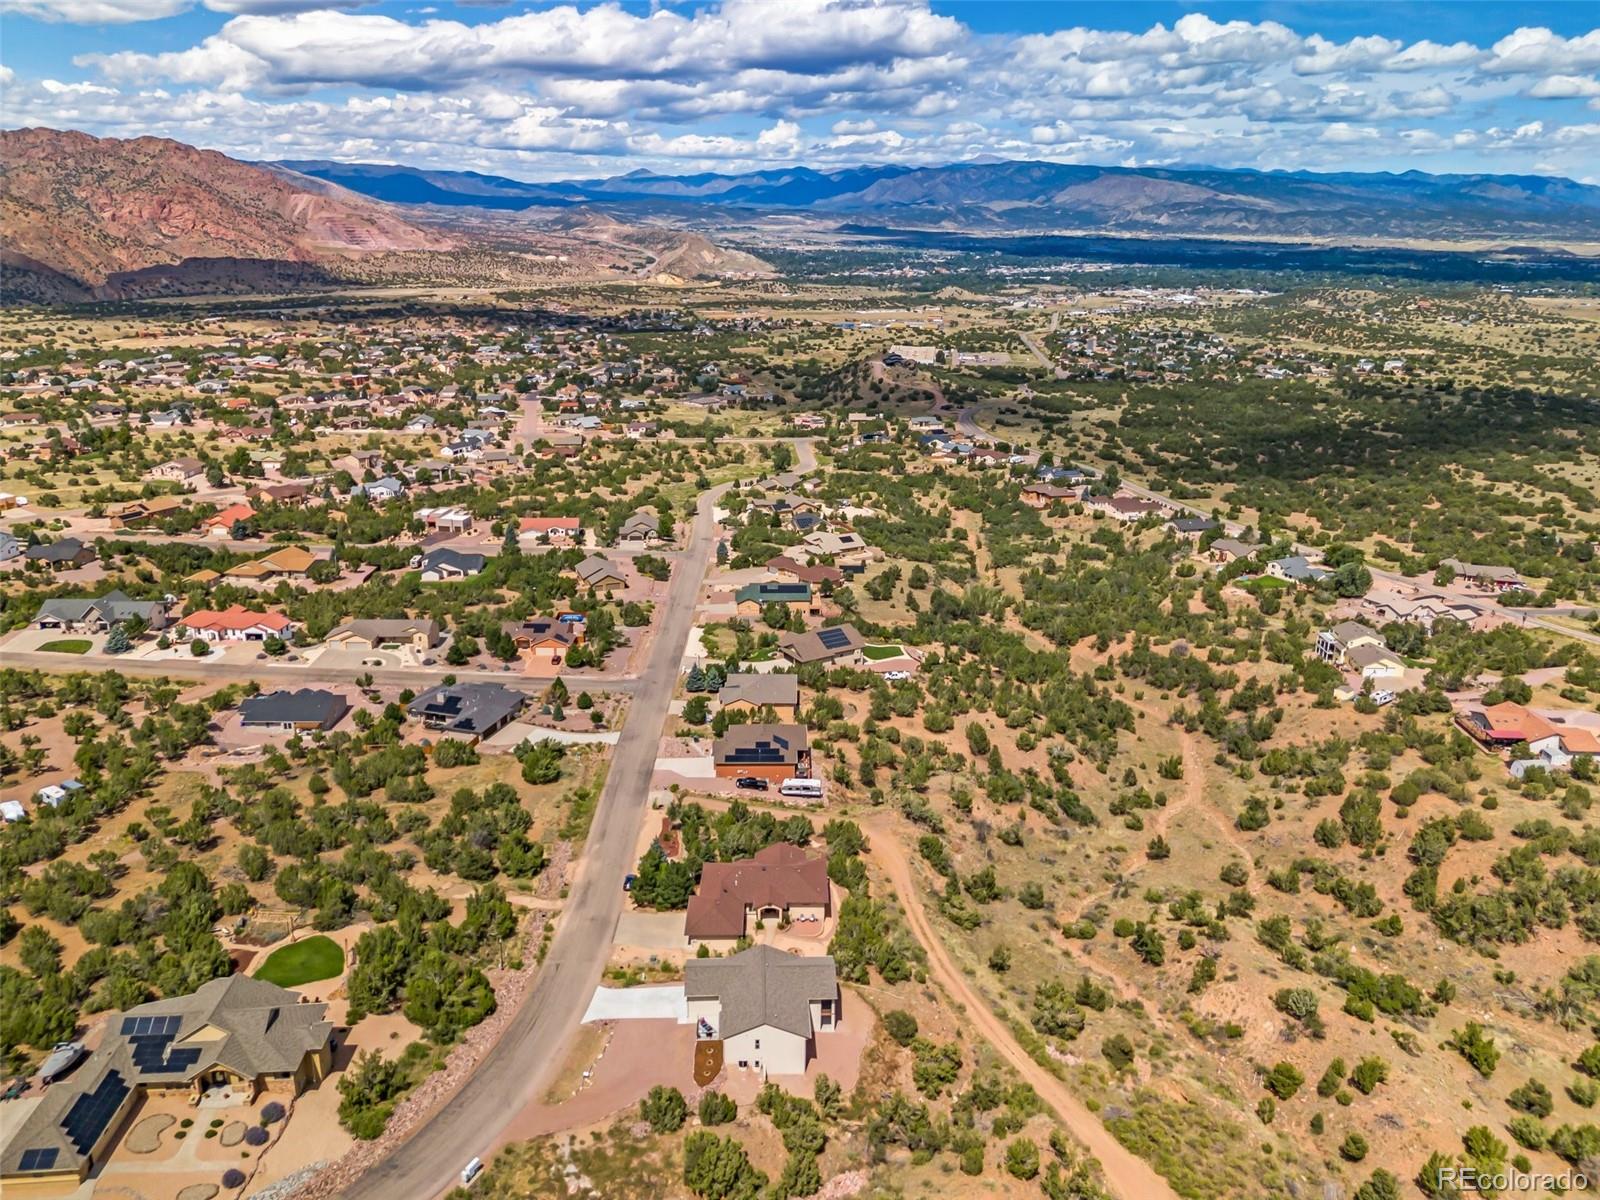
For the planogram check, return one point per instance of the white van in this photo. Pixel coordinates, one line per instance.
(471, 1170)
(805, 789)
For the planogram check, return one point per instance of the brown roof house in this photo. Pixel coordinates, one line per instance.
(766, 1007)
(762, 751)
(753, 692)
(781, 883)
(840, 644)
(240, 1034)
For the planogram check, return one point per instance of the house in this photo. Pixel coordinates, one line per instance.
(99, 614)
(10, 548)
(1552, 743)
(752, 599)
(471, 710)
(287, 561)
(290, 495)
(220, 524)
(187, 471)
(242, 1034)
(781, 883)
(753, 692)
(236, 624)
(765, 751)
(766, 1007)
(1227, 550)
(1334, 645)
(1385, 604)
(1043, 495)
(543, 640)
(841, 645)
(553, 531)
(141, 514)
(642, 528)
(816, 574)
(453, 519)
(1191, 529)
(1296, 569)
(381, 491)
(421, 636)
(1500, 579)
(843, 548)
(62, 555)
(599, 574)
(445, 563)
(1375, 662)
(304, 710)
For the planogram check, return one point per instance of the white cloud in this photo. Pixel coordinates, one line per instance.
(1539, 51)
(95, 12)
(557, 90)
(1565, 87)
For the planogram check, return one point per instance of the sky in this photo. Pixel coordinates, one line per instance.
(576, 90)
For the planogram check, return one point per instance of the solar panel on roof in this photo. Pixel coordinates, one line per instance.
(182, 1060)
(91, 1112)
(38, 1159)
(833, 637)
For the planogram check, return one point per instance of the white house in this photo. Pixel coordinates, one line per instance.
(765, 1006)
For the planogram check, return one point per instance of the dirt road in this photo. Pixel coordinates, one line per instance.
(1127, 1176)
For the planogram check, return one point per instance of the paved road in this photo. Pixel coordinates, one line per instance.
(292, 674)
(1038, 352)
(519, 1068)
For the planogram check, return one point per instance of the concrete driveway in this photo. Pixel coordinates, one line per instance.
(664, 1002)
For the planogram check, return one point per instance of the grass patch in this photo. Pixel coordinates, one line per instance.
(879, 653)
(303, 962)
(67, 646)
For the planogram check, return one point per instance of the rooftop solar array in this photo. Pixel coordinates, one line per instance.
(91, 1112)
(151, 1026)
(38, 1159)
(151, 1056)
(833, 638)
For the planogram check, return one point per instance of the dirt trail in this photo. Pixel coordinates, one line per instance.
(1127, 1176)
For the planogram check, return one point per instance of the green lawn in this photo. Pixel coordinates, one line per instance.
(303, 962)
(67, 646)
(878, 653)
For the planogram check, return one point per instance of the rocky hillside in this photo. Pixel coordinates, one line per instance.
(90, 209)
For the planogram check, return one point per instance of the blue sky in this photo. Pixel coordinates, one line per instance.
(545, 90)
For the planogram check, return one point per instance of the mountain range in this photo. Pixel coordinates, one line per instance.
(1049, 196)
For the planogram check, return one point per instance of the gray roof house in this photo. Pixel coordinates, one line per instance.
(306, 708)
(766, 1006)
(642, 526)
(472, 710)
(9, 547)
(445, 563)
(597, 572)
(237, 1032)
(100, 613)
(1296, 569)
(61, 555)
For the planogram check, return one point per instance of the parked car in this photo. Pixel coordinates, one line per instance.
(471, 1170)
(750, 783)
(628, 882)
(896, 676)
